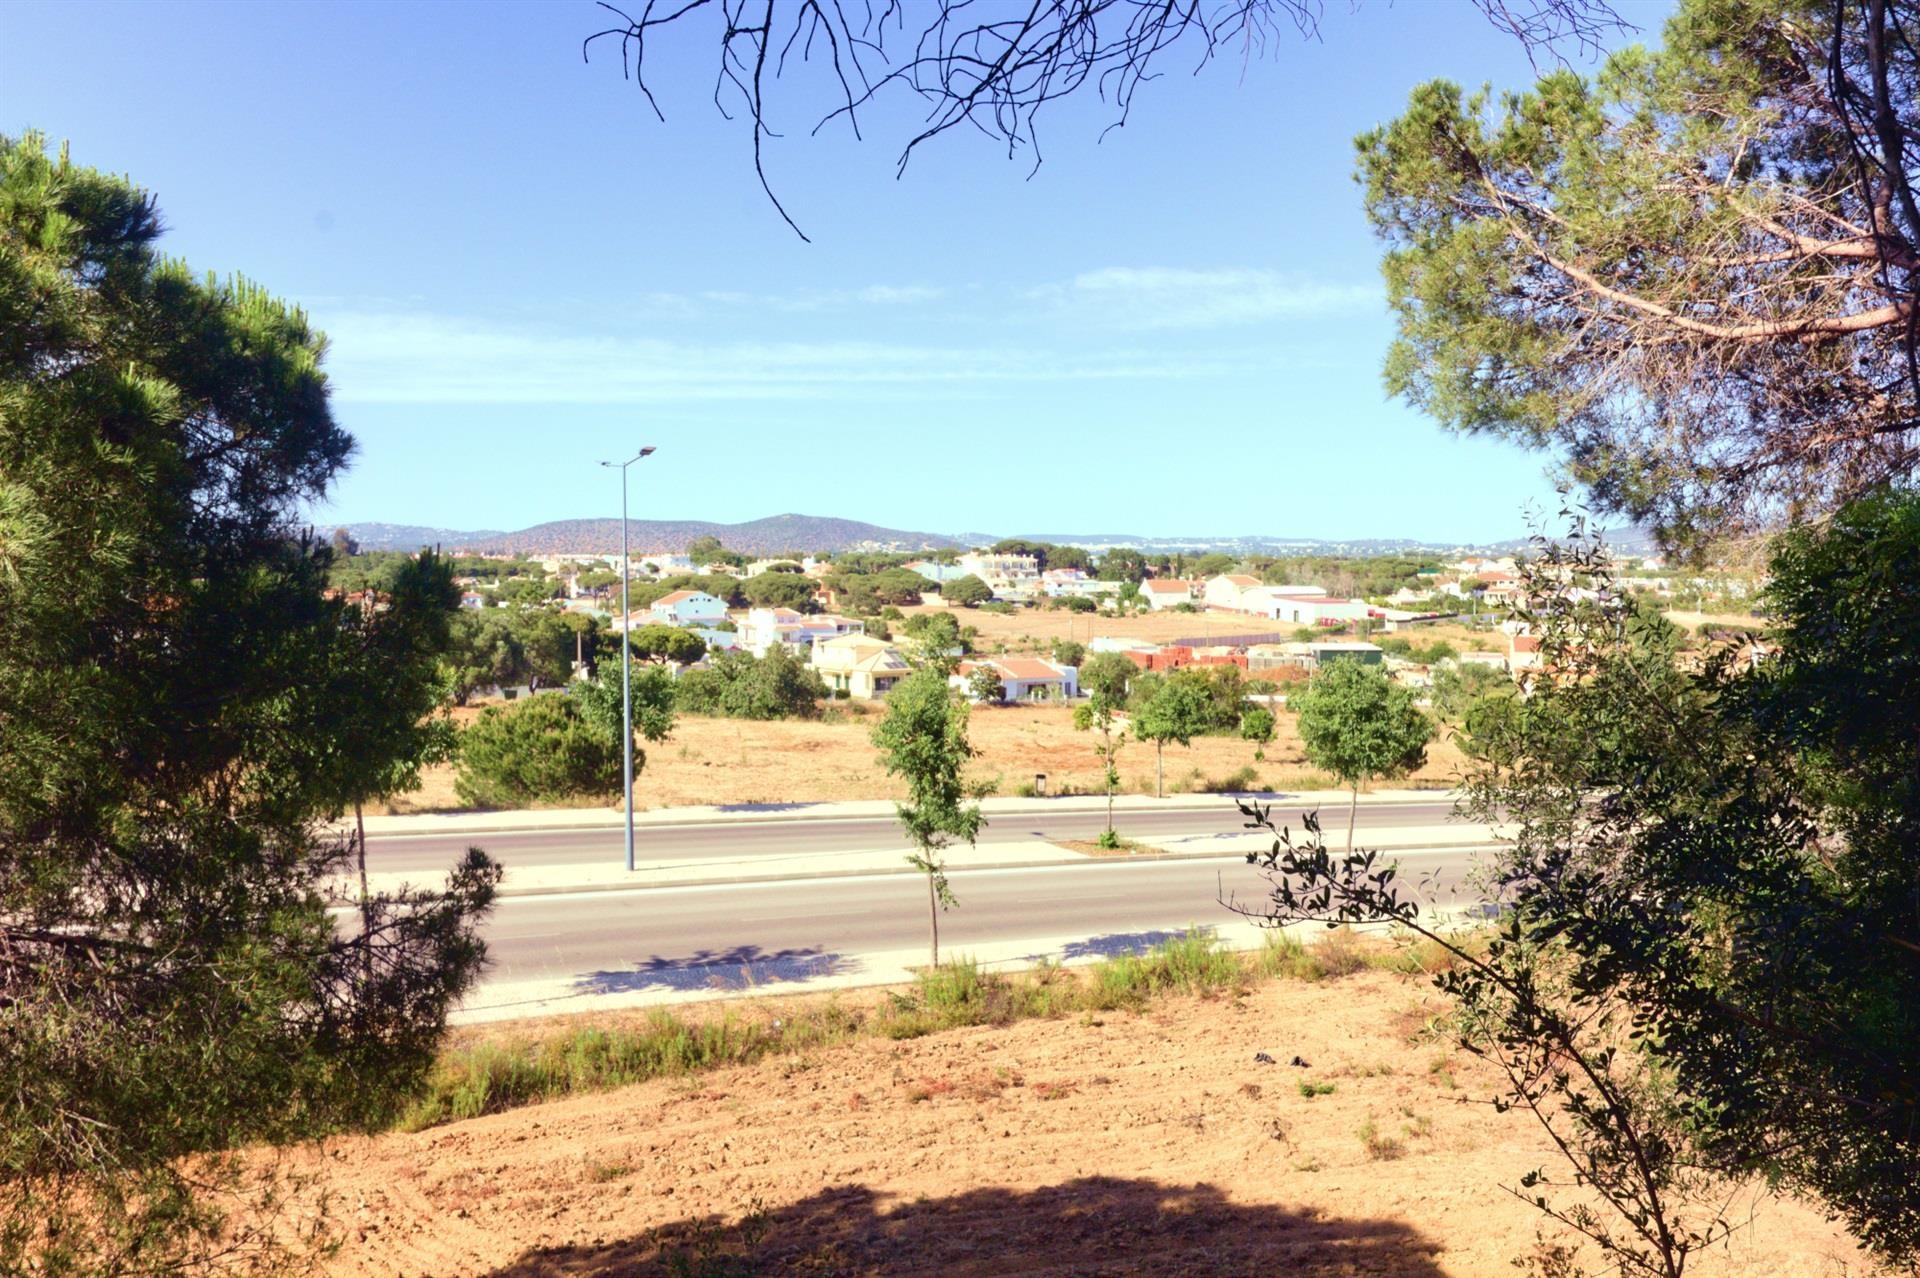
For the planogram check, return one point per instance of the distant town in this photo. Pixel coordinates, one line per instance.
(845, 616)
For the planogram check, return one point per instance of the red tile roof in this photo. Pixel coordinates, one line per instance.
(678, 596)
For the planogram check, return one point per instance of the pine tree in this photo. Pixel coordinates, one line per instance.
(182, 711)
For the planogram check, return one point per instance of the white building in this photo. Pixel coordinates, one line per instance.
(1162, 593)
(795, 631)
(1059, 582)
(1022, 679)
(1317, 610)
(1008, 576)
(1227, 590)
(688, 608)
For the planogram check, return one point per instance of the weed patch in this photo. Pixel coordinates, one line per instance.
(489, 1075)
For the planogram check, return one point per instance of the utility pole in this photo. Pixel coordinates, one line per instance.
(626, 651)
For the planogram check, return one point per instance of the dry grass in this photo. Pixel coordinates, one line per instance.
(710, 761)
(1034, 630)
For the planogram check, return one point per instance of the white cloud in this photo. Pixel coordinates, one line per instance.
(1166, 297)
(417, 357)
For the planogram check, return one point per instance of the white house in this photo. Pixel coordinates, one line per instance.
(1022, 679)
(1008, 576)
(988, 564)
(1267, 601)
(1166, 592)
(1226, 590)
(1317, 610)
(797, 631)
(688, 608)
(659, 565)
(859, 665)
(1059, 582)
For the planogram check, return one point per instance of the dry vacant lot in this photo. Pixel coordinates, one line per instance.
(795, 761)
(1034, 630)
(1127, 1143)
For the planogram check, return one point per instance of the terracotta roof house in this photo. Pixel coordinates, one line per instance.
(1022, 679)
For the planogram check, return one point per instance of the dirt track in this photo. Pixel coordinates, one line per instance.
(1139, 1144)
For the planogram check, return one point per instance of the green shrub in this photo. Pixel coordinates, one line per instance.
(487, 1077)
(1239, 780)
(1189, 964)
(1338, 953)
(540, 749)
(957, 992)
(739, 685)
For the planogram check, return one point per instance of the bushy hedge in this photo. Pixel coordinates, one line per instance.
(543, 748)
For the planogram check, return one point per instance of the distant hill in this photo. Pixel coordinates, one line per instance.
(410, 536)
(779, 533)
(648, 536)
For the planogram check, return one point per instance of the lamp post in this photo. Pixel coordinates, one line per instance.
(626, 652)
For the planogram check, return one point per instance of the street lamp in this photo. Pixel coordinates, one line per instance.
(626, 651)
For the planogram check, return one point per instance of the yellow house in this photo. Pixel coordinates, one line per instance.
(859, 665)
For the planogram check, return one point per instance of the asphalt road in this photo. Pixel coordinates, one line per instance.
(678, 844)
(661, 940)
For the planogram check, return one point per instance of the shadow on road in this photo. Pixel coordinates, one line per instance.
(739, 968)
(1098, 1225)
(1111, 943)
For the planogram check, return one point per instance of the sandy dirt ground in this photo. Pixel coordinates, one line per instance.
(1129, 1144)
(1034, 630)
(795, 761)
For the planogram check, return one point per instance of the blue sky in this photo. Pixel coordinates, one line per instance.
(1175, 330)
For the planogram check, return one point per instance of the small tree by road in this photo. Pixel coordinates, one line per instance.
(1256, 725)
(1104, 679)
(653, 707)
(1177, 710)
(924, 740)
(1359, 725)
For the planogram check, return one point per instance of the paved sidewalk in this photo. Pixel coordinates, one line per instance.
(446, 823)
(513, 1000)
(772, 978)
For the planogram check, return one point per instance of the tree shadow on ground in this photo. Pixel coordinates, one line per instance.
(1095, 1226)
(1109, 944)
(739, 968)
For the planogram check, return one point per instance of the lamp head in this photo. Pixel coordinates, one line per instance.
(647, 451)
